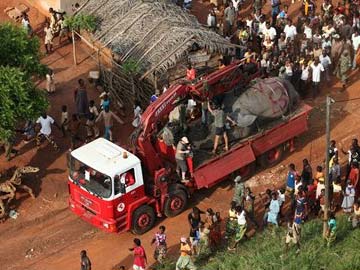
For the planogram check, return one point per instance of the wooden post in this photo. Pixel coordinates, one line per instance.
(74, 47)
(155, 81)
(327, 184)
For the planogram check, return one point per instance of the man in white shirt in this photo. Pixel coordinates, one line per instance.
(307, 31)
(45, 121)
(236, 4)
(355, 39)
(316, 69)
(269, 31)
(290, 30)
(325, 61)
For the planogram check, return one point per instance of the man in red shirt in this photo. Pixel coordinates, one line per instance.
(190, 73)
(140, 260)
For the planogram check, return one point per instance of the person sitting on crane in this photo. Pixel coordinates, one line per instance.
(181, 150)
(190, 73)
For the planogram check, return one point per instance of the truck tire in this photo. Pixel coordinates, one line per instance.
(271, 157)
(176, 203)
(143, 219)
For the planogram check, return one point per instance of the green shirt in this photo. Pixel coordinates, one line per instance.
(219, 120)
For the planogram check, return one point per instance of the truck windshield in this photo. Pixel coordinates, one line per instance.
(93, 181)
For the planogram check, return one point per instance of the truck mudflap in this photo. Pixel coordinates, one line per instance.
(223, 166)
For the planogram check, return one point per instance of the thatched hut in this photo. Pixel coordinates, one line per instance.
(157, 36)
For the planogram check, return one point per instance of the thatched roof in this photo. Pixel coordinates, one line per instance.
(154, 33)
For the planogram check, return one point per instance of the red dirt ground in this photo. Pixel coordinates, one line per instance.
(46, 235)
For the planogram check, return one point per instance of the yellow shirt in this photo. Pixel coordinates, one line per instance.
(184, 250)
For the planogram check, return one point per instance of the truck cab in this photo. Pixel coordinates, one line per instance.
(105, 182)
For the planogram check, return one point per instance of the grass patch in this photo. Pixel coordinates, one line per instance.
(264, 250)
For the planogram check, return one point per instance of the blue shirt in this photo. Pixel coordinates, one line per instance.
(291, 180)
(106, 103)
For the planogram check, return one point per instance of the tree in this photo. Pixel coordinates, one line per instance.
(19, 64)
(18, 50)
(81, 21)
(20, 100)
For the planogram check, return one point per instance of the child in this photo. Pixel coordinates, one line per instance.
(331, 232)
(319, 179)
(104, 99)
(204, 247)
(349, 195)
(281, 198)
(64, 120)
(293, 235)
(137, 114)
(91, 128)
(160, 242)
(322, 202)
(50, 81)
(356, 214)
(29, 131)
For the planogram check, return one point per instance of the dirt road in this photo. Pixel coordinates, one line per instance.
(46, 235)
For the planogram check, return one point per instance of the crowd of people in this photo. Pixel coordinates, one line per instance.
(306, 50)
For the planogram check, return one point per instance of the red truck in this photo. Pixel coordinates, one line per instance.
(117, 190)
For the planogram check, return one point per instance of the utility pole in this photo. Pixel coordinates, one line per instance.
(329, 100)
(74, 47)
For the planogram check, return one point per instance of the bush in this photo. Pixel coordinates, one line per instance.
(81, 21)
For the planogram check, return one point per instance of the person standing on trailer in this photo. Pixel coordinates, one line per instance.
(220, 129)
(181, 150)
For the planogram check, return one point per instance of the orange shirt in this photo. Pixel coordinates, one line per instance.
(184, 249)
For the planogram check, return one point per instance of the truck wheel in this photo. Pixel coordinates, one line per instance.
(143, 219)
(271, 157)
(176, 203)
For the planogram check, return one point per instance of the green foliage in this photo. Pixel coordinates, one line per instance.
(131, 67)
(18, 50)
(20, 100)
(81, 21)
(266, 251)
